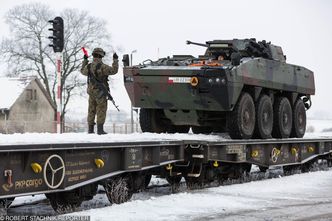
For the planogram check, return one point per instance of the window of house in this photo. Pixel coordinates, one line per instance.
(31, 94)
(28, 95)
(35, 94)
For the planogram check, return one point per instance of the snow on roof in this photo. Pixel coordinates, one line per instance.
(10, 90)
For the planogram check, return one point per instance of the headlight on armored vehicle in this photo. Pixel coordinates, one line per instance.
(223, 81)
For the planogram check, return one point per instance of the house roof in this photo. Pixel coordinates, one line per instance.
(10, 90)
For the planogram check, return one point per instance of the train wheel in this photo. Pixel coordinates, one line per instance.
(241, 169)
(147, 180)
(5, 203)
(282, 123)
(64, 202)
(201, 130)
(174, 181)
(263, 169)
(241, 121)
(150, 121)
(299, 119)
(194, 183)
(118, 190)
(264, 117)
(292, 169)
(329, 162)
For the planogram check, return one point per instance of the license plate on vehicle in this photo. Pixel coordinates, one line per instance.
(179, 80)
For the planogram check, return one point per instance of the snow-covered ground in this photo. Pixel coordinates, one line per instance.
(294, 197)
(298, 197)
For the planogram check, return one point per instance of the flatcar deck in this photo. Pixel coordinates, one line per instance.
(57, 164)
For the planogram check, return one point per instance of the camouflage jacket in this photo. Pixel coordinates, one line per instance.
(102, 73)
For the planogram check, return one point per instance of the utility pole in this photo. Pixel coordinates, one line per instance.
(131, 106)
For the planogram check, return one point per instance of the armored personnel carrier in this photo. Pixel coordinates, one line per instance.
(239, 86)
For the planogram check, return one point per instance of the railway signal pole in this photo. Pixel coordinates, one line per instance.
(57, 45)
(131, 105)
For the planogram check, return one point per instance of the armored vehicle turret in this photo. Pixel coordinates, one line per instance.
(242, 87)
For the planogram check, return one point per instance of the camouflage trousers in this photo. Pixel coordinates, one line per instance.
(97, 106)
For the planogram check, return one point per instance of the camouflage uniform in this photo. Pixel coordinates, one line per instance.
(97, 101)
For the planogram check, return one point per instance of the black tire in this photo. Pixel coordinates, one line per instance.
(150, 121)
(299, 119)
(264, 117)
(241, 121)
(282, 123)
(118, 190)
(201, 130)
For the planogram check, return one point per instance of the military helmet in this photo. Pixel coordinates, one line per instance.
(98, 51)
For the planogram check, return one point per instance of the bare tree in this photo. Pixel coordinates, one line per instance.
(27, 49)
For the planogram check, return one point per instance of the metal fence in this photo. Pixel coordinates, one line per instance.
(119, 128)
(10, 127)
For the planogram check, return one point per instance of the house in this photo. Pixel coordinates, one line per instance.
(25, 106)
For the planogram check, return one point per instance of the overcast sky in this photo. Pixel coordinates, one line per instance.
(302, 28)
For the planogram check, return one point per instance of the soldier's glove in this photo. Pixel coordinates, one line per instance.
(115, 56)
(85, 57)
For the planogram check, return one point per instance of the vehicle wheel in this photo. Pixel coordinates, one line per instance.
(64, 202)
(299, 119)
(264, 117)
(118, 190)
(241, 121)
(201, 130)
(150, 121)
(282, 123)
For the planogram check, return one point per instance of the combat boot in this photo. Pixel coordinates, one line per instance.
(100, 129)
(91, 129)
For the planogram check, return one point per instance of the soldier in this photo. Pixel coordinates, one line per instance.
(97, 73)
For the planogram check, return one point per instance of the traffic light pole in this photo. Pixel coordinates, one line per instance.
(57, 45)
(58, 86)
